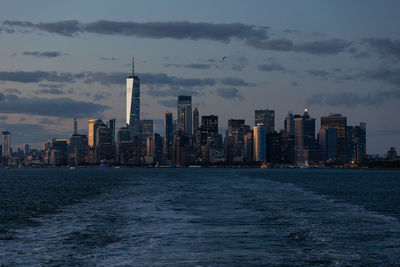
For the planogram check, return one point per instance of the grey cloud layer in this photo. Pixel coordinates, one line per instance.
(58, 107)
(252, 35)
(230, 93)
(46, 54)
(385, 46)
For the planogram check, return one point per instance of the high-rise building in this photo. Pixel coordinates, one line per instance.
(327, 143)
(305, 145)
(168, 135)
(234, 140)
(260, 146)
(289, 124)
(185, 114)
(27, 150)
(209, 137)
(249, 146)
(92, 131)
(338, 122)
(146, 127)
(304, 127)
(359, 141)
(112, 129)
(5, 143)
(195, 120)
(266, 117)
(133, 103)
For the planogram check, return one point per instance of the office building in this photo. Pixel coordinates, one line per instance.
(133, 103)
(209, 137)
(234, 140)
(338, 122)
(360, 143)
(168, 135)
(185, 114)
(306, 149)
(195, 120)
(289, 124)
(260, 146)
(327, 143)
(92, 131)
(6, 143)
(146, 129)
(249, 146)
(111, 125)
(266, 117)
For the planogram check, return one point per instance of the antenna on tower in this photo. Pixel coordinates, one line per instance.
(133, 66)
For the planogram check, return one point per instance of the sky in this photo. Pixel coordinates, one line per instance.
(60, 60)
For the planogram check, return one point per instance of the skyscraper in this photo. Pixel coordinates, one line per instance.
(338, 122)
(359, 141)
(112, 130)
(185, 113)
(289, 124)
(305, 145)
(266, 117)
(195, 120)
(133, 103)
(146, 129)
(260, 147)
(5, 143)
(168, 135)
(327, 143)
(92, 131)
(234, 140)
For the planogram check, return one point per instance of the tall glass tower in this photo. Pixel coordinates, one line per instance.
(6, 143)
(185, 113)
(133, 103)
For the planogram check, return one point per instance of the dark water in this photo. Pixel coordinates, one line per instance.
(199, 217)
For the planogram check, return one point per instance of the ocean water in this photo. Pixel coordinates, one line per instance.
(199, 217)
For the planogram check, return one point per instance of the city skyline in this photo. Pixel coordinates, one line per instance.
(230, 57)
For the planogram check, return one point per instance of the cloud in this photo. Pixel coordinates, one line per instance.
(230, 93)
(352, 100)
(108, 58)
(12, 91)
(384, 46)
(325, 47)
(190, 66)
(46, 54)
(169, 103)
(252, 35)
(35, 76)
(56, 107)
(101, 96)
(319, 73)
(48, 121)
(222, 32)
(240, 63)
(236, 82)
(271, 67)
(276, 44)
(384, 74)
(51, 91)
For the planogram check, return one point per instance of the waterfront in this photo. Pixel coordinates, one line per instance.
(199, 217)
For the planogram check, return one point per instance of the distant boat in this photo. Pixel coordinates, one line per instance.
(72, 168)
